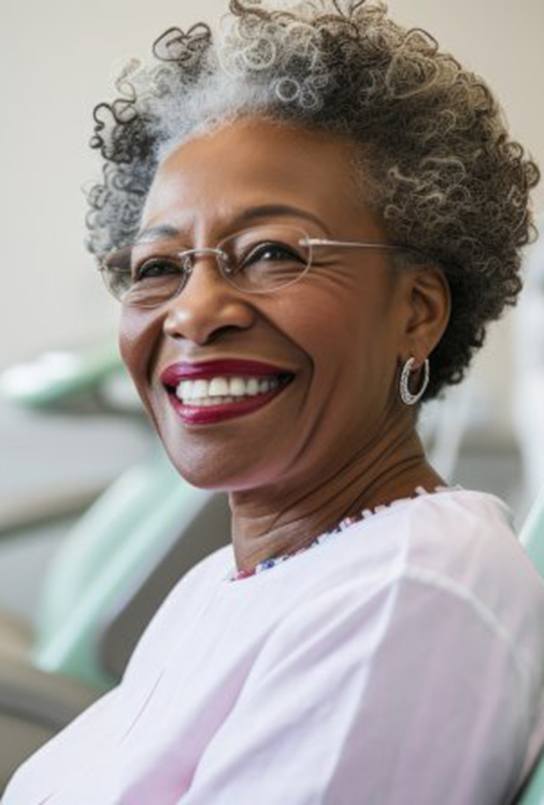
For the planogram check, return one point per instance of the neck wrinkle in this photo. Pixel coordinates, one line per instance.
(387, 467)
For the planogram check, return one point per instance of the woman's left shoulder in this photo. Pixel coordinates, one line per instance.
(463, 522)
(465, 539)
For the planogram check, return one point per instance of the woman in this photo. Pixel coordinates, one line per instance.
(309, 225)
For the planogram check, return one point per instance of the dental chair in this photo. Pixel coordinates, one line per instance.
(110, 575)
(532, 539)
(113, 572)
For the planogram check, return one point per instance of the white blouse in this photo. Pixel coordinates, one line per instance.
(400, 661)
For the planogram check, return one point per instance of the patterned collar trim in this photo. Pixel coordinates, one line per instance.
(266, 564)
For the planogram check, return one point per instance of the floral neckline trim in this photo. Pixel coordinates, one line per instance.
(266, 564)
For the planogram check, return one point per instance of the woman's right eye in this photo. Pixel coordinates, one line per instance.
(156, 267)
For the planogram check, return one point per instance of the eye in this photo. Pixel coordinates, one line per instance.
(273, 250)
(157, 267)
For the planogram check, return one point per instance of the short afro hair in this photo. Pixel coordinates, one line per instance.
(446, 178)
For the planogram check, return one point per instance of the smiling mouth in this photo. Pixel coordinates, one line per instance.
(203, 404)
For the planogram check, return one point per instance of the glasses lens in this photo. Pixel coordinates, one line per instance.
(266, 257)
(258, 259)
(145, 275)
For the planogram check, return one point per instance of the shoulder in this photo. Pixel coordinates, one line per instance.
(456, 535)
(448, 562)
(182, 604)
(196, 585)
(465, 540)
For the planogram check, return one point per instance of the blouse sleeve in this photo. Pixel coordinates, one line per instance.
(412, 693)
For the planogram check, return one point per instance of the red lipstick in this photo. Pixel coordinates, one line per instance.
(235, 367)
(177, 372)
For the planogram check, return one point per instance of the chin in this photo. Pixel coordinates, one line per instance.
(217, 470)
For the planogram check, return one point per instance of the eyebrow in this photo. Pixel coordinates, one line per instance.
(249, 214)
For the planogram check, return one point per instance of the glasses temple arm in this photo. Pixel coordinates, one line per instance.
(326, 242)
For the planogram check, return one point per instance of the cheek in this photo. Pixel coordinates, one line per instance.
(137, 339)
(339, 325)
(346, 328)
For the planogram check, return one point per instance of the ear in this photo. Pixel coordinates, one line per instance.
(427, 299)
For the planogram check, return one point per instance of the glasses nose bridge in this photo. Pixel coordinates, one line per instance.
(221, 257)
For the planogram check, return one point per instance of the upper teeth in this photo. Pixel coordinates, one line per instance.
(225, 387)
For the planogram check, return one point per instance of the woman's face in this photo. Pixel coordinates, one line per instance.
(338, 329)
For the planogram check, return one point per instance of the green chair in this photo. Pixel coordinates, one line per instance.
(110, 575)
(119, 541)
(532, 534)
(532, 539)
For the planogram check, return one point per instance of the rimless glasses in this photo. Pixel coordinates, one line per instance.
(261, 259)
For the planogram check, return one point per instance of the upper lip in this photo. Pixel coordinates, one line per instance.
(177, 372)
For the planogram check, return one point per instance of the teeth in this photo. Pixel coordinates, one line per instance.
(200, 389)
(218, 387)
(252, 386)
(237, 387)
(222, 389)
(205, 401)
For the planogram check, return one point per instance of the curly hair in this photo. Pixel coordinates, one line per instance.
(429, 136)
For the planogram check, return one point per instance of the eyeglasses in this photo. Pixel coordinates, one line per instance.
(261, 259)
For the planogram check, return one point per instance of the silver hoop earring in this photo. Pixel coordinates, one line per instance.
(405, 394)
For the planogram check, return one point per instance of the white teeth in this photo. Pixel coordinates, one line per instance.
(218, 387)
(252, 386)
(200, 389)
(203, 402)
(237, 386)
(181, 390)
(206, 392)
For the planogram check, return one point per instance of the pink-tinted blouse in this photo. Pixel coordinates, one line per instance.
(399, 661)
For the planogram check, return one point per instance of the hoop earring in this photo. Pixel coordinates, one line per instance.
(405, 394)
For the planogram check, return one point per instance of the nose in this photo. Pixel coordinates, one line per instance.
(207, 305)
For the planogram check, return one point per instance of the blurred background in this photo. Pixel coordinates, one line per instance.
(59, 59)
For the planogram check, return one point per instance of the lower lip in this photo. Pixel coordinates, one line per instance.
(204, 415)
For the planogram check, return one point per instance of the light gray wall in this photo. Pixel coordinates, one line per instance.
(58, 58)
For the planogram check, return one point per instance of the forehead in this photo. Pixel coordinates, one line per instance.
(207, 179)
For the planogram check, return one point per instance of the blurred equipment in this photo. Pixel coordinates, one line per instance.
(442, 424)
(532, 539)
(528, 377)
(113, 571)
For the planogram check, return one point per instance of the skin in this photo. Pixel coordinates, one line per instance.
(338, 439)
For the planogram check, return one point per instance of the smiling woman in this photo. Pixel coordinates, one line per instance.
(201, 191)
(309, 224)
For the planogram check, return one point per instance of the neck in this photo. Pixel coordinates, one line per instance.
(286, 516)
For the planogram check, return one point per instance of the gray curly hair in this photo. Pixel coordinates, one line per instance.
(429, 138)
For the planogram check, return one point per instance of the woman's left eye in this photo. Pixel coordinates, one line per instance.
(273, 250)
